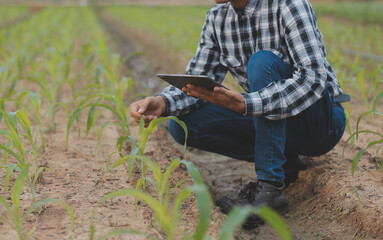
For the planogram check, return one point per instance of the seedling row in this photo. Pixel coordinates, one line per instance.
(53, 64)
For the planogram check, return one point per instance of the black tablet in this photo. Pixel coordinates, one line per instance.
(180, 80)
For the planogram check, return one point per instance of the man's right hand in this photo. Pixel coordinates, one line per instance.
(150, 108)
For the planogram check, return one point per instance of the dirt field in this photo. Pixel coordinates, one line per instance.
(323, 201)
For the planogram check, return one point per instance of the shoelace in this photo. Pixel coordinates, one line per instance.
(249, 190)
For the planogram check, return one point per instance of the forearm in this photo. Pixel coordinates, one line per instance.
(178, 102)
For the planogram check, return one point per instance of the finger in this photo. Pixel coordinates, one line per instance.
(143, 106)
(186, 89)
(221, 90)
(193, 88)
(201, 92)
(134, 112)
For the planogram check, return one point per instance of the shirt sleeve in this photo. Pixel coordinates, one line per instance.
(289, 97)
(205, 62)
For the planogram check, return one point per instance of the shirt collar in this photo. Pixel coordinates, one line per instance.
(249, 10)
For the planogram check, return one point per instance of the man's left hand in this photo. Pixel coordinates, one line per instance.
(219, 96)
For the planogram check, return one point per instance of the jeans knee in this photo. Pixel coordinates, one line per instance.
(260, 59)
(259, 69)
(177, 132)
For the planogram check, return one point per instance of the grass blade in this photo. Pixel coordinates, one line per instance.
(18, 187)
(376, 101)
(235, 218)
(273, 219)
(90, 121)
(360, 153)
(204, 207)
(149, 200)
(8, 173)
(153, 126)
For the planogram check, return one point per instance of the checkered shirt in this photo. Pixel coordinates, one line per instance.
(229, 37)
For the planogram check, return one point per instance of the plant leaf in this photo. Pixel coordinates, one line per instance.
(153, 126)
(149, 200)
(17, 188)
(273, 219)
(360, 153)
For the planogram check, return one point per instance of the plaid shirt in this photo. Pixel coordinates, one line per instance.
(229, 37)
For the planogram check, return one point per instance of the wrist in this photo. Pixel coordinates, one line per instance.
(161, 103)
(241, 104)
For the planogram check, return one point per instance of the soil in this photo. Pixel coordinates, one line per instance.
(323, 201)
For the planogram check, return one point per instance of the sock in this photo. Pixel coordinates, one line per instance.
(275, 184)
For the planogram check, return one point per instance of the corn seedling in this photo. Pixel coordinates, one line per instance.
(14, 217)
(379, 141)
(8, 78)
(168, 218)
(12, 120)
(138, 149)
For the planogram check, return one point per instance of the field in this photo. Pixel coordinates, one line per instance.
(75, 166)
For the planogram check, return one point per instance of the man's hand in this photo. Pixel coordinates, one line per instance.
(150, 108)
(219, 96)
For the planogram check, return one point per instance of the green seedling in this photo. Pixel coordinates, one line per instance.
(8, 79)
(168, 220)
(14, 217)
(14, 141)
(169, 217)
(379, 141)
(107, 100)
(139, 149)
(9, 170)
(370, 144)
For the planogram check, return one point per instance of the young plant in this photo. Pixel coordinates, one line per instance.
(378, 142)
(138, 149)
(8, 77)
(168, 217)
(12, 120)
(105, 99)
(14, 217)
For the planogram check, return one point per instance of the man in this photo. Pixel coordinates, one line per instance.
(275, 51)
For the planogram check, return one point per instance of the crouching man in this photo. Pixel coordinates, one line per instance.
(288, 107)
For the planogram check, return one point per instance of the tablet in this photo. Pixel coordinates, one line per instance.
(180, 80)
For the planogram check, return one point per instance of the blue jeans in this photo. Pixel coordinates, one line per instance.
(268, 143)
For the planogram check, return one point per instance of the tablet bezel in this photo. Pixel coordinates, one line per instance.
(180, 80)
